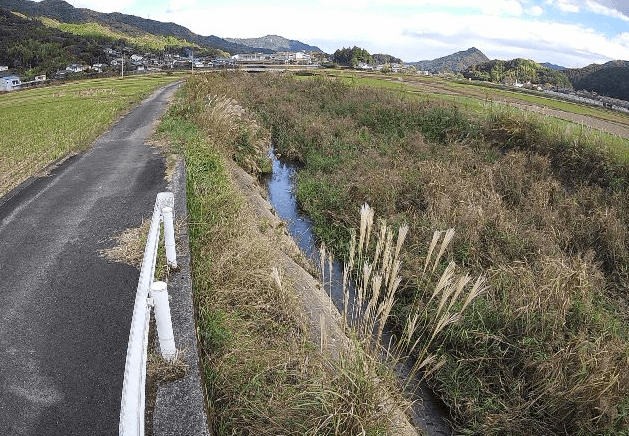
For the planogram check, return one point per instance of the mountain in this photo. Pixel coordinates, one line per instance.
(275, 43)
(27, 44)
(130, 24)
(553, 66)
(610, 79)
(456, 63)
(521, 70)
(30, 47)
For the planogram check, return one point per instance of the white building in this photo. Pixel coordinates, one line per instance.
(3, 68)
(9, 83)
(251, 57)
(74, 68)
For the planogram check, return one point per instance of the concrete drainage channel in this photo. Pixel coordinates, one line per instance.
(179, 407)
(427, 412)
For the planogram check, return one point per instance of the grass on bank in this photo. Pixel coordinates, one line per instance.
(262, 373)
(473, 94)
(42, 125)
(541, 210)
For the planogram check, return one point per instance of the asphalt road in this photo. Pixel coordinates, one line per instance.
(65, 311)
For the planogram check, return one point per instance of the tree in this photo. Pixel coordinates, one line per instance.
(351, 57)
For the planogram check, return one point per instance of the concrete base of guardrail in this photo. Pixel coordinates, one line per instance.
(180, 406)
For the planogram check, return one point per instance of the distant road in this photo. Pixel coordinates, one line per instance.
(65, 311)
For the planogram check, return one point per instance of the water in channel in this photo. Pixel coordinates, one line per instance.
(427, 412)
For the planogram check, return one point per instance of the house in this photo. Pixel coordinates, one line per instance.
(221, 62)
(136, 57)
(9, 83)
(36, 81)
(3, 68)
(251, 57)
(98, 67)
(74, 68)
(303, 57)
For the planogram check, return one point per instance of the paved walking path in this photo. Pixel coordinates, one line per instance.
(65, 311)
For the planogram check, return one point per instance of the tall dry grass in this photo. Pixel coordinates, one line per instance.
(262, 373)
(541, 212)
(371, 278)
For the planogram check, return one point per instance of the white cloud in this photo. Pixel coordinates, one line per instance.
(610, 8)
(536, 10)
(106, 7)
(597, 8)
(510, 37)
(491, 7)
(622, 39)
(179, 5)
(411, 36)
(566, 5)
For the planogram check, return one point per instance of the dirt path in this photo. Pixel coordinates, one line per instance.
(589, 121)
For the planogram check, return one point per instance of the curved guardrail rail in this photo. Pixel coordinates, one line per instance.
(148, 294)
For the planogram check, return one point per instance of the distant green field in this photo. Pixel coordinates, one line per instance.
(42, 125)
(482, 99)
(474, 93)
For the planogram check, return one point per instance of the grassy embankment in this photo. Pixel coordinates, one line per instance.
(45, 124)
(540, 207)
(262, 372)
(475, 94)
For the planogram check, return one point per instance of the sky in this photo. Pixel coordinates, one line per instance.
(571, 33)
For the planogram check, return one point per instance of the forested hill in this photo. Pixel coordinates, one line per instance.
(522, 70)
(610, 79)
(130, 24)
(456, 62)
(275, 43)
(27, 46)
(351, 57)
(380, 58)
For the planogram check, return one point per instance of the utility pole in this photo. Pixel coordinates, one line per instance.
(122, 70)
(192, 63)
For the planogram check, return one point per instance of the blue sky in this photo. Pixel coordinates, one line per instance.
(566, 32)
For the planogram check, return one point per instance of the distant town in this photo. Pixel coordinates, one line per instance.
(125, 61)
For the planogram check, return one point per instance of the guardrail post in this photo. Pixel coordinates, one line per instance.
(169, 237)
(159, 294)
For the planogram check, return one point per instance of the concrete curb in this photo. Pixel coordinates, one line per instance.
(180, 405)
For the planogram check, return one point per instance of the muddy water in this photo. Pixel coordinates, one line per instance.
(427, 412)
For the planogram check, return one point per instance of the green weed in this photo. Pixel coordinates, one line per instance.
(540, 208)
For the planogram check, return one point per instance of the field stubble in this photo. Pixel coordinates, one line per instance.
(44, 125)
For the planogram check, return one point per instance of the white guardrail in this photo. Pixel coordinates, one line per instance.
(149, 294)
